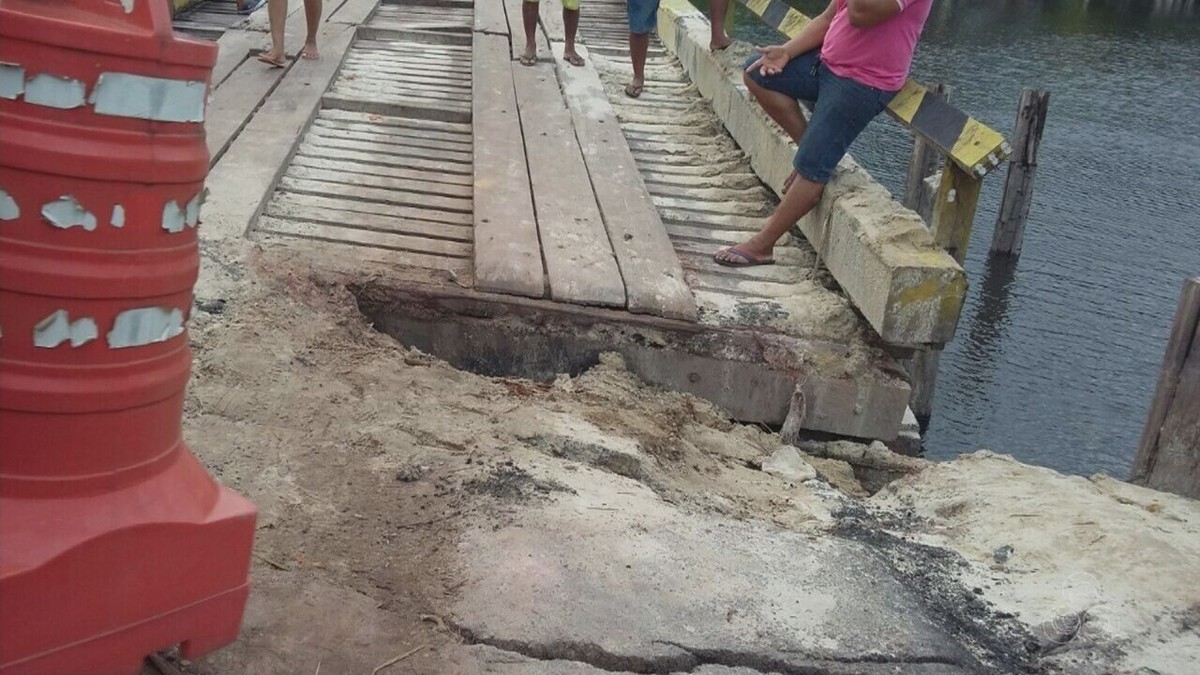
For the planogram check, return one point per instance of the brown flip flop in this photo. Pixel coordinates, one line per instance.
(574, 59)
(271, 62)
(633, 90)
(747, 260)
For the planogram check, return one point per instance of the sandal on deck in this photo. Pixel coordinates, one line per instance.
(573, 59)
(633, 90)
(747, 260)
(272, 62)
(528, 60)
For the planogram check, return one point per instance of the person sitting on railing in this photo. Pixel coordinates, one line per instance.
(850, 61)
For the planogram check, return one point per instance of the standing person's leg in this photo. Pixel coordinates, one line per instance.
(843, 109)
(719, 40)
(529, 17)
(312, 15)
(642, 21)
(277, 15)
(570, 28)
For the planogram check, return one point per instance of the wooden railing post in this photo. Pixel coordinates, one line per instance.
(1022, 167)
(924, 163)
(1169, 455)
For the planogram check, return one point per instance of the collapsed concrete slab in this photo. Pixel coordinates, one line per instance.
(882, 255)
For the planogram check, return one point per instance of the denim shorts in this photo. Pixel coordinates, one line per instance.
(841, 109)
(643, 16)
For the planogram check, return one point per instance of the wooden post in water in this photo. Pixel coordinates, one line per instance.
(1169, 456)
(924, 163)
(1022, 167)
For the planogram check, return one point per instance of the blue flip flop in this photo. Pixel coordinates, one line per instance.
(747, 260)
(250, 6)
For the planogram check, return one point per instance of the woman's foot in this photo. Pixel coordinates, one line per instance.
(742, 256)
(529, 58)
(310, 51)
(273, 59)
(719, 43)
(573, 58)
(634, 89)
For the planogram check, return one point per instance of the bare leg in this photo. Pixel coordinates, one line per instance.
(638, 46)
(782, 108)
(277, 14)
(719, 40)
(571, 26)
(798, 201)
(529, 16)
(312, 15)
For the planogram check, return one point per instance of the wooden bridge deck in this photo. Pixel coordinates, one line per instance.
(419, 149)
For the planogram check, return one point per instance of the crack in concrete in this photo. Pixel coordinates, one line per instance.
(693, 658)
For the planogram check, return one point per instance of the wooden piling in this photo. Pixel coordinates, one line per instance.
(1169, 455)
(924, 163)
(1022, 167)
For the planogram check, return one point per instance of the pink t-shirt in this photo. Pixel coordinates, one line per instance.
(878, 56)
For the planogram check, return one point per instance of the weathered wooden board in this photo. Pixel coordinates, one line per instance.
(580, 264)
(508, 256)
(326, 231)
(654, 282)
(455, 225)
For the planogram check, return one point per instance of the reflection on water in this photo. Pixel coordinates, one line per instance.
(1056, 358)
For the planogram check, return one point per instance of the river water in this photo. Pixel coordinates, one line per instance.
(1056, 358)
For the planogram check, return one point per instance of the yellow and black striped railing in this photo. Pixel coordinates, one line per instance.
(975, 147)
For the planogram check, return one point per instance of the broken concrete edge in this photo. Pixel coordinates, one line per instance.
(753, 377)
(882, 255)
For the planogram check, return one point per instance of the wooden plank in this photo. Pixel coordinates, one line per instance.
(1022, 169)
(402, 122)
(580, 264)
(370, 194)
(508, 255)
(357, 262)
(490, 17)
(453, 223)
(371, 158)
(240, 183)
(461, 140)
(363, 237)
(383, 89)
(357, 102)
(298, 170)
(337, 140)
(1177, 464)
(922, 165)
(454, 182)
(234, 47)
(402, 144)
(550, 15)
(234, 102)
(654, 282)
(1183, 347)
(374, 70)
(431, 33)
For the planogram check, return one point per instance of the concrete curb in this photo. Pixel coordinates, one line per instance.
(882, 255)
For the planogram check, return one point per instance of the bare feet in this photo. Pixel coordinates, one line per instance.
(310, 51)
(719, 43)
(573, 58)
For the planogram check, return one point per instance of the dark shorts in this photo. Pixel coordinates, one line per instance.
(841, 109)
(643, 16)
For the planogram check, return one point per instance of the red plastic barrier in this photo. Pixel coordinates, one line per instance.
(114, 541)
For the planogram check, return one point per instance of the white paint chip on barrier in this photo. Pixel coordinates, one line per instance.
(172, 220)
(8, 207)
(67, 213)
(149, 98)
(127, 5)
(144, 326)
(54, 91)
(12, 81)
(191, 216)
(58, 328)
(118, 216)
